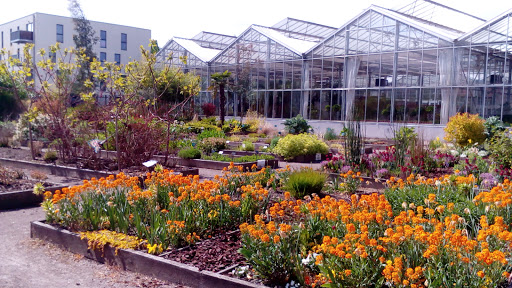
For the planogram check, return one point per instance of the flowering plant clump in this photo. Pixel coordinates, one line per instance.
(465, 129)
(168, 210)
(421, 233)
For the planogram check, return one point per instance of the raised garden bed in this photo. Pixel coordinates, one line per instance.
(305, 159)
(136, 261)
(244, 153)
(219, 165)
(54, 169)
(22, 199)
(257, 145)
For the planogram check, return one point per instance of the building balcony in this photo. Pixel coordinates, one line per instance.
(22, 37)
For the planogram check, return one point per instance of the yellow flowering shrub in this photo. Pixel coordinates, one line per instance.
(465, 129)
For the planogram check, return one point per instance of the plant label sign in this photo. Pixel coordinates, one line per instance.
(318, 157)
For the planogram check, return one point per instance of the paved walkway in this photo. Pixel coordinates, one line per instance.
(28, 263)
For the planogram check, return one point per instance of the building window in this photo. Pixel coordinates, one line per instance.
(103, 39)
(118, 59)
(124, 41)
(60, 33)
(103, 57)
(2, 39)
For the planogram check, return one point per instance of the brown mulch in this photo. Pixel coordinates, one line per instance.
(213, 254)
(21, 185)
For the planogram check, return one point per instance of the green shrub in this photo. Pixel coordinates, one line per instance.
(247, 146)
(273, 142)
(465, 129)
(330, 135)
(303, 144)
(252, 139)
(500, 149)
(197, 127)
(209, 145)
(209, 121)
(189, 153)
(50, 156)
(297, 125)
(208, 133)
(305, 182)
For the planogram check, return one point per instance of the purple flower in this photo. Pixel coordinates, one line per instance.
(381, 173)
(488, 181)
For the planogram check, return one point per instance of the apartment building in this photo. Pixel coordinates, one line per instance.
(116, 43)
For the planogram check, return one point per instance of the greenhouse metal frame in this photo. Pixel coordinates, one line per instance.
(407, 65)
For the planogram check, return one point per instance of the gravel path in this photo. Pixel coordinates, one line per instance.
(26, 262)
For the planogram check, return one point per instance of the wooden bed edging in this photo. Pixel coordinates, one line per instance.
(137, 261)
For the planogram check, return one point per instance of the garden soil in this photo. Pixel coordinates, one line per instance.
(28, 263)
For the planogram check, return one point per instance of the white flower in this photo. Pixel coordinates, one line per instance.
(482, 153)
(454, 152)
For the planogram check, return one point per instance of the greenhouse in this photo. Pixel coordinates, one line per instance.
(418, 64)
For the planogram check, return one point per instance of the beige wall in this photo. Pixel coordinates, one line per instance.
(45, 35)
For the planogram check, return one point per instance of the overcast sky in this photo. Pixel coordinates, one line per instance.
(167, 18)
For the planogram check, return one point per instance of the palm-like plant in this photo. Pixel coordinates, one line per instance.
(218, 84)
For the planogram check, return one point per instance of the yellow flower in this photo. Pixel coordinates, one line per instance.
(151, 249)
(155, 249)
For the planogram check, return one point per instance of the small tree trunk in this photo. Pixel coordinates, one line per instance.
(117, 144)
(168, 139)
(32, 152)
(222, 104)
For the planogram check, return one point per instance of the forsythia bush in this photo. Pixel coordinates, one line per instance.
(465, 129)
(303, 144)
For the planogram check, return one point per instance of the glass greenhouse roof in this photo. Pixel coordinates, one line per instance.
(303, 30)
(213, 40)
(296, 45)
(495, 30)
(440, 15)
(205, 54)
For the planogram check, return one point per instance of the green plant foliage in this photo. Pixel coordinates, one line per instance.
(189, 153)
(465, 129)
(493, 125)
(208, 133)
(297, 125)
(353, 144)
(50, 156)
(500, 149)
(273, 142)
(303, 144)
(197, 126)
(209, 145)
(242, 159)
(305, 182)
(247, 146)
(330, 135)
(404, 138)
